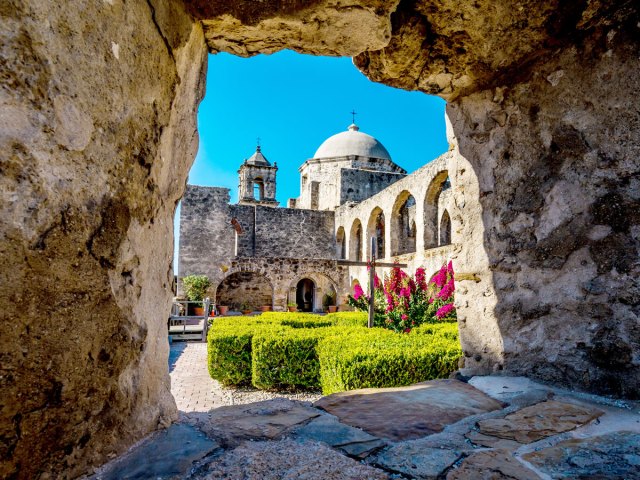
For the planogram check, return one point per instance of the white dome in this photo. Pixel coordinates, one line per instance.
(352, 142)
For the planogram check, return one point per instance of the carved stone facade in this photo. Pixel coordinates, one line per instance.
(270, 246)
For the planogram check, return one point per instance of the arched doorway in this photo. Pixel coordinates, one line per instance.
(305, 294)
(445, 229)
(245, 290)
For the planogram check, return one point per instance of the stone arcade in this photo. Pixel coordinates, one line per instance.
(259, 255)
(99, 103)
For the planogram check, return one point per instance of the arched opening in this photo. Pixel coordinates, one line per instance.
(341, 244)
(403, 235)
(433, 206)
(245, 291)
(355, 241)
(376, 229)
(445, 229)
(305, 295)
(258, 189)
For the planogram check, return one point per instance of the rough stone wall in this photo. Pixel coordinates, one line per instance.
(417, 184)
(245, 289)
(556, 159)
(294, 233)
(207, 236)
(357, 185)
(98, 110)
(343, 179)
(285, 273)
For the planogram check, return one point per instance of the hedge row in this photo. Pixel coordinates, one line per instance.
(334, 352)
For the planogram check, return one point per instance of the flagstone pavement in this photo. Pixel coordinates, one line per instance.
(492, 427)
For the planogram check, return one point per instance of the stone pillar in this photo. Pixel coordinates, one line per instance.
(98, 133)
(548, 180)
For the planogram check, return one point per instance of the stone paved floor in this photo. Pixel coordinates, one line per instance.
(490, 428)
(191, 385)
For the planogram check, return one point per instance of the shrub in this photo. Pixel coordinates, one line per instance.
(402, 302)
(229, 348)
(335, 352)
(348, 319)
(286, 359)
(374, 359)
(195, 287)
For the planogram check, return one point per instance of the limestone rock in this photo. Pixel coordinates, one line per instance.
(268, 419)
(482, 440)
(320, 27)
(288, 460)
(352, 441)
(93, 164)
(613, 456)
(492, 465)
(169, 454)
(539, 421)
(417, 410)
(412, 459)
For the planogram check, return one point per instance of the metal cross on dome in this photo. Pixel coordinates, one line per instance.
(353, 115)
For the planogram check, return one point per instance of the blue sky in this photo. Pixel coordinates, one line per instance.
(293, 103)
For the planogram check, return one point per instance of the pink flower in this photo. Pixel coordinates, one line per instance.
(450, 268)
(421, 279)
(376, 281)
(440, 278)
(447, 290)
(403, 316)
(407, 330)
(405, 292)
(357, 291)
(444, 310)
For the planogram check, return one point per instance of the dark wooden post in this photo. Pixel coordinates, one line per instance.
(372, 276)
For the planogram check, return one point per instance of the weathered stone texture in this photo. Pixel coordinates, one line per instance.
(556, 165)
(319, 27)
(98, 133)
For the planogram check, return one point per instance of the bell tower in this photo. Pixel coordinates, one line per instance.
(257, 181)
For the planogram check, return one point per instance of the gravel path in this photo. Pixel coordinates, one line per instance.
(195, 391)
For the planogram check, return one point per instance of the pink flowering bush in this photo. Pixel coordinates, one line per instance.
(403, 302)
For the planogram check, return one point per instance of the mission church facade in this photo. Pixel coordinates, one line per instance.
(258, 254)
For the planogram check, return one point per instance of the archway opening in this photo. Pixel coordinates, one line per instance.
(258, 189)
(355, 241)
(403, 228)
(377, 230)
(445, 229)
(436, 200)
(341, 244)
(305, 295)
(245, 291)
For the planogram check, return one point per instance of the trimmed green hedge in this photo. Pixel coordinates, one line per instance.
(334, 352)
(229, 348)
(378, 359)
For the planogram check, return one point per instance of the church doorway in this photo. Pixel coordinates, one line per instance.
(305, 294)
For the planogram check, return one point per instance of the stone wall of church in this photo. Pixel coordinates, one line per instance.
(424, 186)
(358, 185)
(294, 233)
(213, 233)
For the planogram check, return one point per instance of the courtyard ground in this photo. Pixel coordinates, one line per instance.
(492, 427)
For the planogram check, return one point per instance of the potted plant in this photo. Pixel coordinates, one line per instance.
(245, 308)
(223, 309)
(292, 307)
(329, 302)
(265, 308)
(195, 289)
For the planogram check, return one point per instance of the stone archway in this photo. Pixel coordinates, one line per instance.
(99, 134)
(305, 295)
(245, 288)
